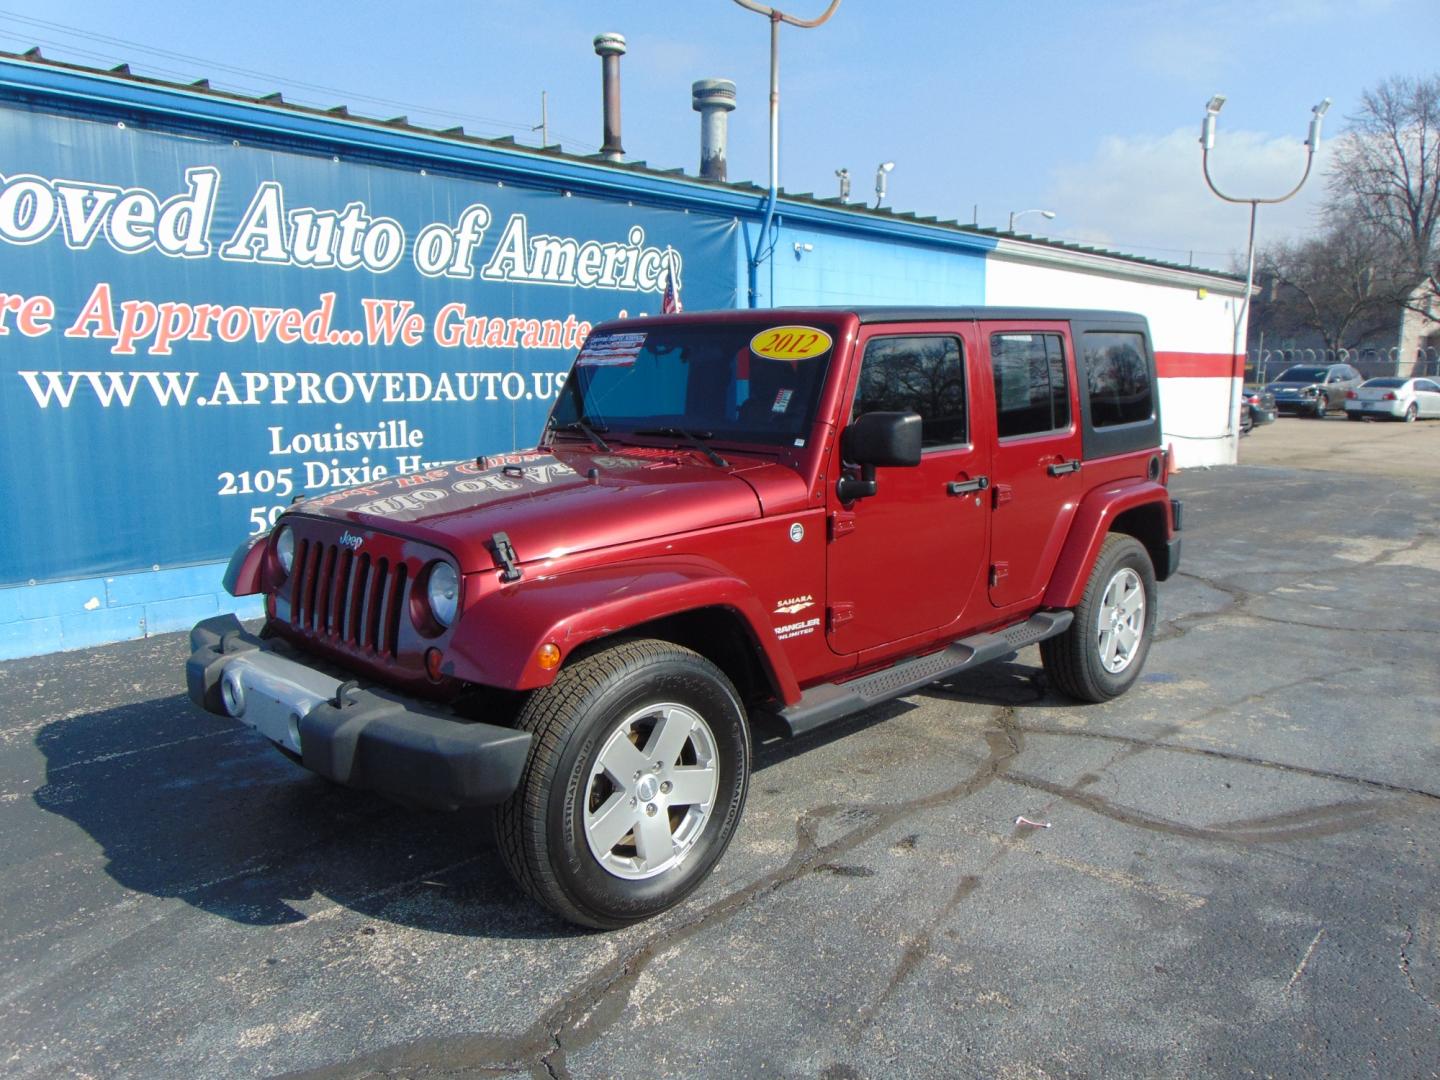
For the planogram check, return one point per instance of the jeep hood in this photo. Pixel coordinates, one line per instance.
(552, 502)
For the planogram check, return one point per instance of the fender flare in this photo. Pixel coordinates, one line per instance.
(1093, 521)
(243, 574)
(497, 638)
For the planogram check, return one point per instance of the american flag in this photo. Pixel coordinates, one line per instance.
(670, 302)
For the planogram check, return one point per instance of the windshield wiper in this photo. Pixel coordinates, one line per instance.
(692, 438)
(591, 433)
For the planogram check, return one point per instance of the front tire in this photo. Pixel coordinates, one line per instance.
(1322, 407)
(636, 781)
(1100, 656)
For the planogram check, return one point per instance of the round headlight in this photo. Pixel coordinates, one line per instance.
(285, 548)
(443, 593)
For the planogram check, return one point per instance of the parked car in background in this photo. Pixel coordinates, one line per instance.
(1394, 398)
(1257, 408)
(1313, 389)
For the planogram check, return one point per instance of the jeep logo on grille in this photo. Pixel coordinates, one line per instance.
(351, 541)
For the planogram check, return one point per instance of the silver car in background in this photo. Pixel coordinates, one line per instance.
(1313, 390)
(1394, 398)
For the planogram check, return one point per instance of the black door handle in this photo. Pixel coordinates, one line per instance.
(1063, 467)
(962, 487)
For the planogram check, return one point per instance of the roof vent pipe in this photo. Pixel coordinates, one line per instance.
(610, 47)
(713, 99)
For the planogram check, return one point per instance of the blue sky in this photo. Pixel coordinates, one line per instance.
(1092, 110)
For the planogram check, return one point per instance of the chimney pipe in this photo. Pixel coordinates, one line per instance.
(610, 47)
(713, 99)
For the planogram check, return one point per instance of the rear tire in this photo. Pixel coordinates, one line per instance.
(636, 780)
(1411, 413)
(1100, 656)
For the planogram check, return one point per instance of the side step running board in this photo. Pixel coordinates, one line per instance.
(828, 702)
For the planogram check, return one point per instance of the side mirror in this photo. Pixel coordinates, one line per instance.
(891, 439)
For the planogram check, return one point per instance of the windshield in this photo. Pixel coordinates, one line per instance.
(1303, 374)
(724, 381)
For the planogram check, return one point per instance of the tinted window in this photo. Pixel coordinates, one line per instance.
(1425, 384)
(1302, 374)
(1031, 392)
(1117, 378)
(1385, 384)
(925, 375)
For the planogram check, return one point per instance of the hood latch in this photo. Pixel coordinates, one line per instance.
(505, 556)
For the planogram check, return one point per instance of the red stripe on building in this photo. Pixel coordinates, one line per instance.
(1185, 365)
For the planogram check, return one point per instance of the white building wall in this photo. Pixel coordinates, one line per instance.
(1191, 319)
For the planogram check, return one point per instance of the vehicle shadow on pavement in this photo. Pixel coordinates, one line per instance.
(192, 807)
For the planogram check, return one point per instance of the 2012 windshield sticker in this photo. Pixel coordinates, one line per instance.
(791, 343)
(611, 350)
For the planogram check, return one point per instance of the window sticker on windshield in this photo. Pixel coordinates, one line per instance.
(782, 401)
(610, 350)
(791, 343)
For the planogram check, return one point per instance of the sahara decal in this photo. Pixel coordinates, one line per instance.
(794, 605)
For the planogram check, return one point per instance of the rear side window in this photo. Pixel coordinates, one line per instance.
(1117, 378)
(925, 375)
(1032, 394)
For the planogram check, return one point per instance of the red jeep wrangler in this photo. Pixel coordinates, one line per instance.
(795, 513)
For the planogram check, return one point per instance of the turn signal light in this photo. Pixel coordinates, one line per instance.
(548, 656)
(433, 659)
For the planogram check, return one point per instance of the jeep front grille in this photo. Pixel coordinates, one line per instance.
(348, 598)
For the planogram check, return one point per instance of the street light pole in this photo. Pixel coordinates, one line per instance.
(1242, 314)
(759, 253)
(1048, 215)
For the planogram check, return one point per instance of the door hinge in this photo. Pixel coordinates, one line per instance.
(841, 522)
(1003, 493)
(841, 613)
(998, 572)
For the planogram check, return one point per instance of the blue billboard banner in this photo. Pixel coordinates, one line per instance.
(194, 332)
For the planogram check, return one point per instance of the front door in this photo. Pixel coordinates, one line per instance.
(1037, 455)
(907, 559)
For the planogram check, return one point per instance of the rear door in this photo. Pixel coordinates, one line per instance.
(908, 559)
(1037, 460)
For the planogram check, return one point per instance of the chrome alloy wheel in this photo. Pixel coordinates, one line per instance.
(1121, 622)
(651, 791)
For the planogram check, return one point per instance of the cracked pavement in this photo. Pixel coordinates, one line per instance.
(1240, 874)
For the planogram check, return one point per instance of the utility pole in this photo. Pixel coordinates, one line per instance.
(1207, 143)
(544, 125)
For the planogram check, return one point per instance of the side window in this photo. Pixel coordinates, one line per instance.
(1032, 394)
(925, 375)
(1117, 378)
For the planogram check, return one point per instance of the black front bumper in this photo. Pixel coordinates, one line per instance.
(368, 739)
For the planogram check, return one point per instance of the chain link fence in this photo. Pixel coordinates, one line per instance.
(1262, 365)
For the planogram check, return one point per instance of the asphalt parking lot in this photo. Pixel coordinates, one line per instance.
(1241, 873)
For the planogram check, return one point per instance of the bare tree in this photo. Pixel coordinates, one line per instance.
(1349, 283)
(1387, 175)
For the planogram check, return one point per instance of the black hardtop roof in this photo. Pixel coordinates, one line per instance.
(879, 314)
(873, 314)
